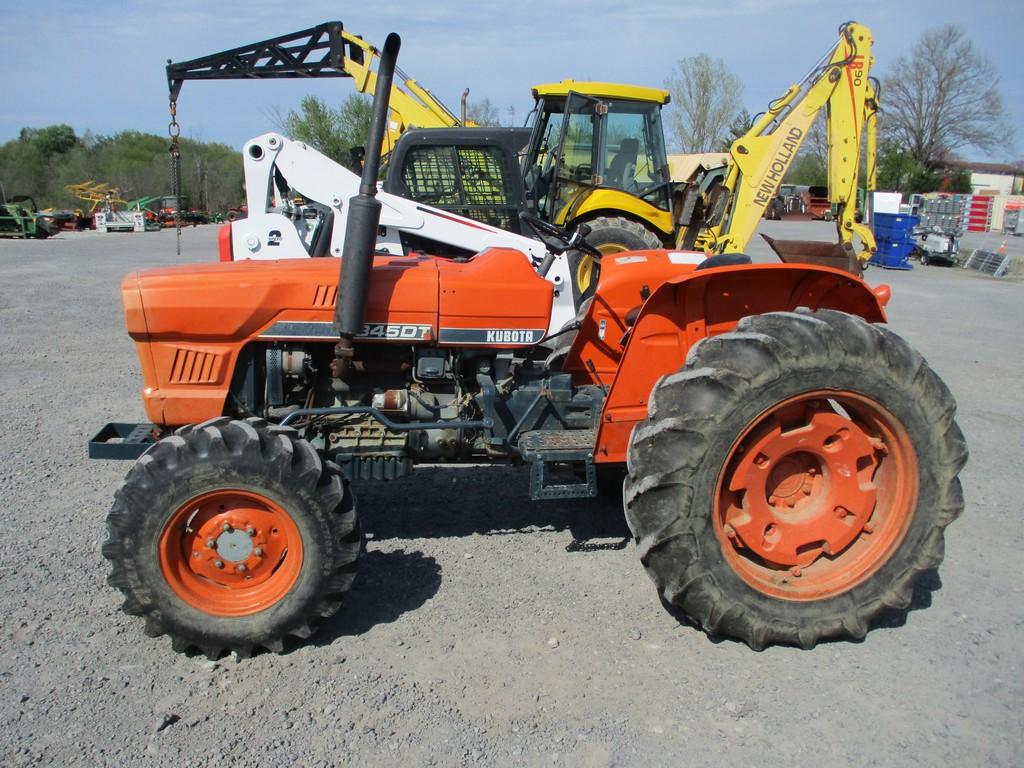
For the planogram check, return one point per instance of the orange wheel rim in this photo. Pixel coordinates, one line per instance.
(230, 552)
(816, 495)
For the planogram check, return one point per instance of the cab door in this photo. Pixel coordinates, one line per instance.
(565, 156)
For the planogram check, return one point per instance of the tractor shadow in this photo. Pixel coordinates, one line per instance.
(452, 502)
(449, 501)
(389, 585)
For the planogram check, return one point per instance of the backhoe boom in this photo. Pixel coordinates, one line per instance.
(759, 160)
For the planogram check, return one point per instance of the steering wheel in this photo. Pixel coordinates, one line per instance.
(566, 240)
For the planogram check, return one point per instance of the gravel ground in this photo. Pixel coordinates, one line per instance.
(474, 636)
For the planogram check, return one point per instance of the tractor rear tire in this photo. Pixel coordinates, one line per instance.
(795, 478)
(610, 235)
(233, 535)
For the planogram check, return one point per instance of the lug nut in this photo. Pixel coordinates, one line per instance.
(841, 512)
(196, 554)
(796, 571)
(251, 531)
(218, 564)
(240, 568)
(211, 543)
(227, 528)
(869, 528)
(258, 552)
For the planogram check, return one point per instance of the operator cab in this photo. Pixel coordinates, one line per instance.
(612, 138)
(471, 172)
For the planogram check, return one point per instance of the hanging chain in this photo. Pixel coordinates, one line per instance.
(174, 131)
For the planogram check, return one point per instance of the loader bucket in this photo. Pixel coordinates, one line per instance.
(817, 253)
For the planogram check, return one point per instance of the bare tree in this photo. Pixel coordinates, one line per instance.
(816, 143)
(705, 99)
(942, 97)
(483, 113)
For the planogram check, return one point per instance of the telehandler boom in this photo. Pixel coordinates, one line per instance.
(325, 50)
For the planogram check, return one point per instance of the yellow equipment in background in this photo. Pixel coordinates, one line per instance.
(411, 105)
(97, 193)
(597, 155)
(719, 212)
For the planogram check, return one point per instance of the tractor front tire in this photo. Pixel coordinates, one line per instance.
(233, 535)
(795, 478)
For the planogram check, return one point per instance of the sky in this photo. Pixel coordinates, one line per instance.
(99, 65)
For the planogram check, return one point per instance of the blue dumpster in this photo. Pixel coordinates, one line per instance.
(894, 236)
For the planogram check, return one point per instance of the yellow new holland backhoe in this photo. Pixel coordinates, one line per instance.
(719, 211)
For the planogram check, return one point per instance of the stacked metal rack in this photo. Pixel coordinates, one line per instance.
(946, 214)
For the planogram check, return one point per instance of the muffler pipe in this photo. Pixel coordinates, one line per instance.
(363, 220)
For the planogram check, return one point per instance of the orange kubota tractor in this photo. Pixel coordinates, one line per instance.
(790, 464)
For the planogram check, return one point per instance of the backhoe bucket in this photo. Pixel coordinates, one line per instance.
(813, 252)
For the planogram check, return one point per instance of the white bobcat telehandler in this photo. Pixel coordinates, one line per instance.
(297, 197)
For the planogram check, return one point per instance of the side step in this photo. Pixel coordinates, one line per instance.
(542, 449)
(122, 441)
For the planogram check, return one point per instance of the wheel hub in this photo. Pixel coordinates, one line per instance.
(815, 495)
(230, 552)
(792, 478)
(246, 543)
(235, 546)
(805, 490)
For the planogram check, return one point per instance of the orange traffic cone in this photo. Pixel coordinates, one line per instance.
(1001, 250)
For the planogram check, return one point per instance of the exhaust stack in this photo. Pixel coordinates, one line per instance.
(363, 220)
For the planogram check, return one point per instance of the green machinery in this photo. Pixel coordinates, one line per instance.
(19, 220)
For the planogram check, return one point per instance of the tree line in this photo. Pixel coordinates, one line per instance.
(42, 162)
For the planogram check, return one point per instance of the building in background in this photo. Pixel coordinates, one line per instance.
(994, 179)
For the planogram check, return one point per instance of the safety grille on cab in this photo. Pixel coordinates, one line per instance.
(192, 366)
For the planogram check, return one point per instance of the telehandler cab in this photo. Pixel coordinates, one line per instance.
(790, 463)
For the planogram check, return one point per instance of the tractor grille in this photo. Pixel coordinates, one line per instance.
(193, 366)
(325, 295)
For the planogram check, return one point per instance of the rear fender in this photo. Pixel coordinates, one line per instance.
(686, 309)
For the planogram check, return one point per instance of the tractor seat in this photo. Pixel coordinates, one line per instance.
(724, 260)
(623, 166)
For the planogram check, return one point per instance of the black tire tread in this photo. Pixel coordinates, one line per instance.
(635, 228)
(278, 452)
(686, 407)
